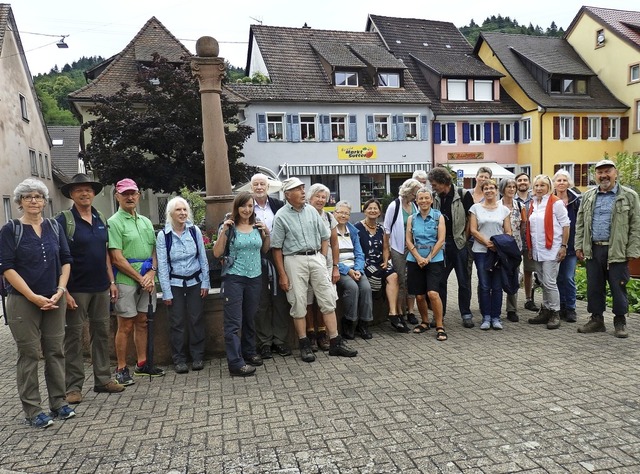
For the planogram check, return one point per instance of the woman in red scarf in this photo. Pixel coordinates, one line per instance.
(547, 236)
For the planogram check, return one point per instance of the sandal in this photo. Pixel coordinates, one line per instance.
(396, 323)
(440, 334)
(420, 328)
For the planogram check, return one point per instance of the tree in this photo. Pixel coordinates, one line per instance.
(153, 132)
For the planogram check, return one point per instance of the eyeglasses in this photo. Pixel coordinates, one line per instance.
(33, 198)
(342, 213)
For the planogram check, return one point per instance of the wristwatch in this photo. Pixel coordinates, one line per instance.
(563, 245)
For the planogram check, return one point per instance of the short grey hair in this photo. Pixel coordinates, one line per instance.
(343, 203)
(171, 206)
(317, 188)
(565, 173)
(506, 182)
(408, 187)
(30, 185)
(424, 189)
(261, 176)
(420, 174)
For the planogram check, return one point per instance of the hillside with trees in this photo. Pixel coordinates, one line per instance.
(507, 25)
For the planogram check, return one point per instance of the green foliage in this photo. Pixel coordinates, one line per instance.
(256, 78)
(633, 290)
(197, 204)
(153, 133)
(628, 166)
(386, 200)
(233, 73)
(507, 25)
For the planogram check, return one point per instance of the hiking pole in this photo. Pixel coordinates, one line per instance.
(150, 315)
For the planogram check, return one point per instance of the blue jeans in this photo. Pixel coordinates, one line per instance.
(356, 297)
(241, 298)
(567, 282)
(456, 259)
(490, 288)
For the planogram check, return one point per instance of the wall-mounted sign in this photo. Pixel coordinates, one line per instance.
(466, 155)
(365, 152)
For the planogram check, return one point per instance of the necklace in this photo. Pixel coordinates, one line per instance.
(374, 227)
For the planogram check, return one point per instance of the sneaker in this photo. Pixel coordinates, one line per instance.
(571, 315)
(411, 319)
(197, 365)
(265, 352)
(281, 349)
(74, 397)
(181, 368)
(513, 316)
(531, 306)
(340, 348)
(123, 377)
(40, 421)
(496, 324)
(63, 413)
(486, 324)
(306, 354)
(363, 330)
(255, 360)
(467, 322)
(109, 387)
(323, 341)
(150, 371)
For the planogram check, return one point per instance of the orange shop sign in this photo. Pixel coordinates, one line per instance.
(473, 155)
(366, 152)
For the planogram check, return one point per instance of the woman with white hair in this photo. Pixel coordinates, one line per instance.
(563, 184)
(547, 236)
(183, 271)
(36, 262)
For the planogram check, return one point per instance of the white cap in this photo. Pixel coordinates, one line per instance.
(291, 183)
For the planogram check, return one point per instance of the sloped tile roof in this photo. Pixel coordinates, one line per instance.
(337, 54)
(4, 20)
(377, 56)
(65, 157)
(123, 67)
(624, 23)
(297, 74)
(508, 48)
(440, 47)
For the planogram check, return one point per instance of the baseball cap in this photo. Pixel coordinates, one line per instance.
(291, 183)
(605, 163)
(126, 184)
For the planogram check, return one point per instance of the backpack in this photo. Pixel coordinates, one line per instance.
(168, 240)
(70, 223)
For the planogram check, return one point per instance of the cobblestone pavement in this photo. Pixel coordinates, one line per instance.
(525, 399)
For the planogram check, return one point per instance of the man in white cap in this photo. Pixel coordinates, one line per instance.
(607, 237)
(299, 242)
(132, 247)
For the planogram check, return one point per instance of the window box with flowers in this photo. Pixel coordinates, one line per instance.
(383, 136)
(275, 137)
(338, 138)
(411, 136)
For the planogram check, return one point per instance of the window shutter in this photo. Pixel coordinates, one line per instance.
(556, 168)
(624, 128)
(584, 179)
(516, 132)
(401, 133)
(585, 128)
(487, 132)
(325, 128)
(371, 129)
(604, 123)
(436, 133)
(556, 128)
(577, 174)
(465, 132)
(262, 127)
(393, 133)
(288, 127)
(293, 128)
(353, 129)
(576, 128)
(424, 127)
(451, 132)
(496, 132)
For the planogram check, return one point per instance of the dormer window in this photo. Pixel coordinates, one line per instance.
(389, 79)
(346, 78)
(567, 85)
(456, 89)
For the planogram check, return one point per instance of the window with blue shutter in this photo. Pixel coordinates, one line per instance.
(496, 132)
(465, 132)
(516, 131)
(371, 129)
(424, 127)
(353, 129)
(451, 132)
(293, 128)
(261, 129)
(436, 132)
(325, 128)
(487, 132)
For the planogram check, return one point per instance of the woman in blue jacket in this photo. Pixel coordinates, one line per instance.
(353, 285)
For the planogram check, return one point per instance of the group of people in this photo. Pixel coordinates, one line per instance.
(291, 259)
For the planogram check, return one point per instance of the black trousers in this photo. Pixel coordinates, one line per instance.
(599, 273)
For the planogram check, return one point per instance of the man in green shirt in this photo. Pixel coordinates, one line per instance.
(133, 252)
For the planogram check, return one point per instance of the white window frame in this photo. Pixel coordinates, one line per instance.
(382, 126)
(634, 73)
(346, 79)
(566, 128)
(23, 108)
(525, 130)
(526, 169)
(476, 132)
(411, 127)
(594, 128)
(339, 127)
(275, 127)
(614, 128)
(591, 174)
(444, 134)
(568, 167)
(456, 89)
(483, 91)
(506, 132)
(389, 80)
(308, 127)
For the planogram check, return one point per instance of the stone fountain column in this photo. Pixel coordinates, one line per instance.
(209, 69)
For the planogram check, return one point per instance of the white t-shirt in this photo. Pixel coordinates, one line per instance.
(490, 223)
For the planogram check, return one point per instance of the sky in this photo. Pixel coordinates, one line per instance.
(104, 28)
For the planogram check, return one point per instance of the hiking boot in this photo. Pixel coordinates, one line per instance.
(244, 371)
(323, 341)
(197, 364)
(311, 335)
(123, 377)
(150, 371)
(620, 325)
(63, 413)
(340, 348)
(554, 320)
(281, 350)
(181, 368)
(542, 318)
(531, 306)
(595, 324)
(363, 330)
(109, 387)
(255, 360)
(348, 329)
(306, 354)
(513, 316)
(571, 315)
(265, 352)
(74, 397)
(467, 321)
(40, 421)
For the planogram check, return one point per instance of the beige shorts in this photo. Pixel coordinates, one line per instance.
(305, 272)
(131, 302)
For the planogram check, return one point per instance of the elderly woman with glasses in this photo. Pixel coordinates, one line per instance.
(36, 263)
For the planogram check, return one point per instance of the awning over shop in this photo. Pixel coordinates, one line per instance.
(470, 169)
(354, 168)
